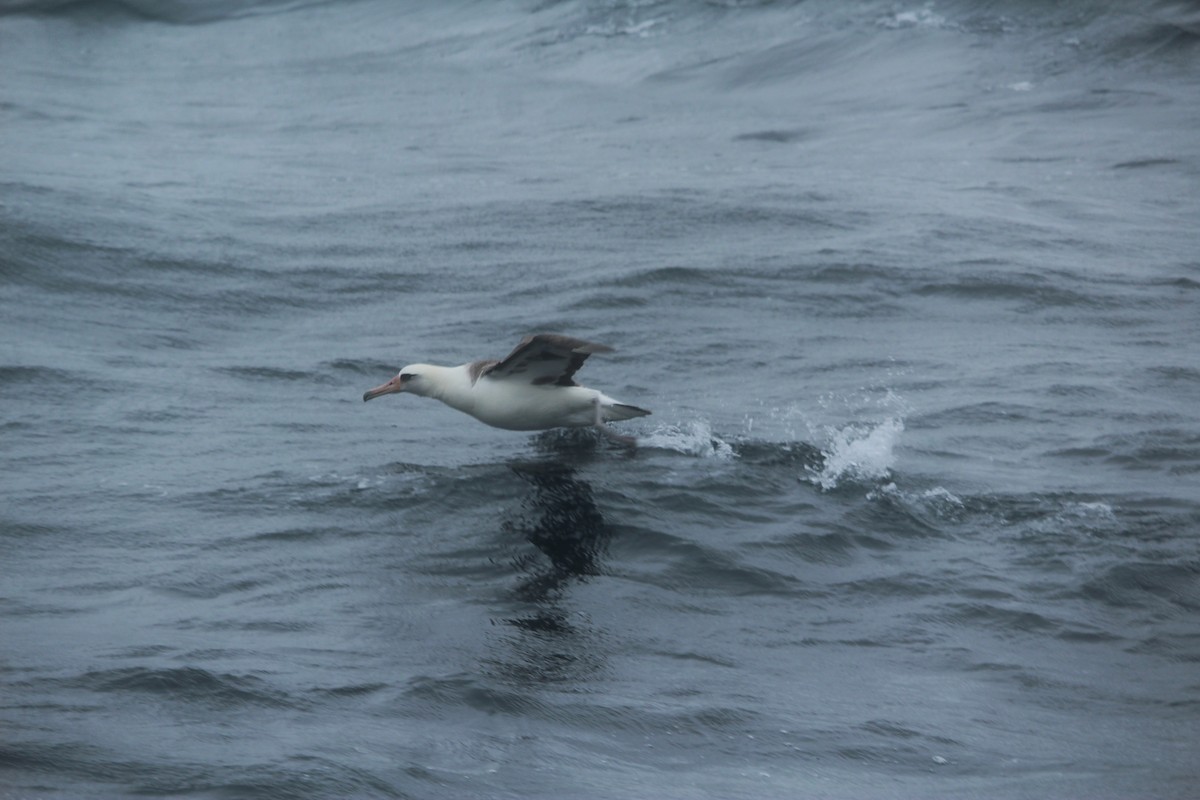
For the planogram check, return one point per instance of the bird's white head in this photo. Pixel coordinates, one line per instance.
(413, 378)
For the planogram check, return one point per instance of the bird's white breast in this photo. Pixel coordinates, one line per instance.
(520, 406)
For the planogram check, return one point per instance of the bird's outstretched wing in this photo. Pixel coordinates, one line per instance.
(541, 359)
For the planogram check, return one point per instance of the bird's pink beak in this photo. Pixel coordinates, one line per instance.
(392, 386)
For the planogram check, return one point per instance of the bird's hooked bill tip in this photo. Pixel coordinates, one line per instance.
(394, 385)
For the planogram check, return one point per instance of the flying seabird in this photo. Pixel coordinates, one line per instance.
(530, 389)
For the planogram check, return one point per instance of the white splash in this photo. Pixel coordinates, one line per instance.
(694, 438)
(859, 452)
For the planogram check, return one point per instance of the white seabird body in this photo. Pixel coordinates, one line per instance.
(532, 389)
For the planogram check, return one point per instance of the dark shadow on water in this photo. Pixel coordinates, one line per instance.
(560, 518)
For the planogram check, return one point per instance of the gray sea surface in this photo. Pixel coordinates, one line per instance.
(912, 290)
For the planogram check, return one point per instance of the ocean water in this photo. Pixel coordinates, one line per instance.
(912, 290)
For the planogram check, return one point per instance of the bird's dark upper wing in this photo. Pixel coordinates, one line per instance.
(543, 358)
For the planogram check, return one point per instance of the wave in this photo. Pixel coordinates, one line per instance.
(1170, 450)
(181, 12)
(185, 683)
(695, 438)
(1120, 31)
(1148, 585)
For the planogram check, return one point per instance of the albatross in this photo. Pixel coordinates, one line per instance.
(531, 389)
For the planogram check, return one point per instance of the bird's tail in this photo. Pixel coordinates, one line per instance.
(619, 411)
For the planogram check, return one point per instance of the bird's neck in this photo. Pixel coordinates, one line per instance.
(451, 385)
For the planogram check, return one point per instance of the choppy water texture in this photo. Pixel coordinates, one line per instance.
(911, 288)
